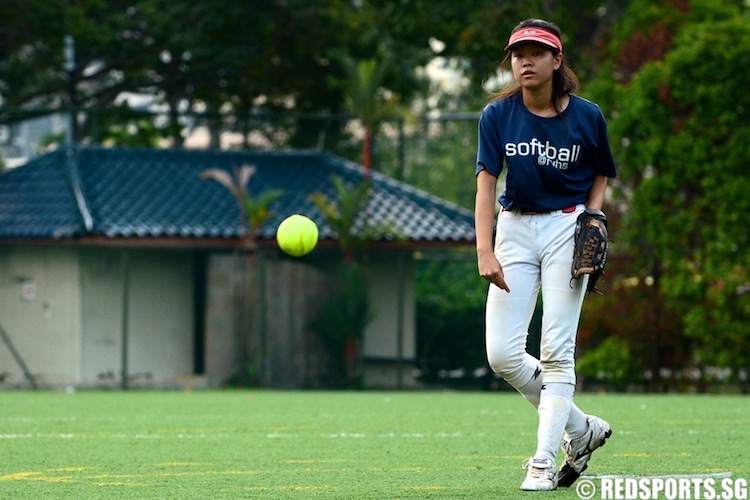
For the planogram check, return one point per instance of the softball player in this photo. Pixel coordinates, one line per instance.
(557, 157)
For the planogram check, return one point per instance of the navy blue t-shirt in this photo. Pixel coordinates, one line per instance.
(551, 162)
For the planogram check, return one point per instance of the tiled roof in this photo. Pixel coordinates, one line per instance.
(142, 193)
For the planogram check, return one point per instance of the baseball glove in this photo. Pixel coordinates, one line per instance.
(590, 251)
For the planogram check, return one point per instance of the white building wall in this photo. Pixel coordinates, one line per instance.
(40, 310)
(102, 288)
(389, 272)
(62, 310)
(160, 330)
(161, 339)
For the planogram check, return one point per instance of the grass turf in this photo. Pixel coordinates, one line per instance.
(267, 444)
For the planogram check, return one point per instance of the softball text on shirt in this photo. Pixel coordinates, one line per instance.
(546, 154)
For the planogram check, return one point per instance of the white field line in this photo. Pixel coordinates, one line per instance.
(704, 475)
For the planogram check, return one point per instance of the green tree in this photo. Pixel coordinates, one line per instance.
(344, 212)
(189, 57)
(365, 98)
(680, 122)
(247, 57)
(344, 317)
(341, 324)
(450, 316)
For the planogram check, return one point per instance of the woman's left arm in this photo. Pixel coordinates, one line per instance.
(596, 194)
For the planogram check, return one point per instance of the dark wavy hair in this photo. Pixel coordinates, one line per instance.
(564, 80)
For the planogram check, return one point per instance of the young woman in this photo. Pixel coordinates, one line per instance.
(556, 153)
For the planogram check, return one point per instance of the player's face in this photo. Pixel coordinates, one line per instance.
(533, 65)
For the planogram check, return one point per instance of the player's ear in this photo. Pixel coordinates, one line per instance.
(558, 61)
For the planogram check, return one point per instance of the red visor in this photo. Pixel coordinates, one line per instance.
(538, 35)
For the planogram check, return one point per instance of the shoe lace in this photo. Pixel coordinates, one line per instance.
(536, 471)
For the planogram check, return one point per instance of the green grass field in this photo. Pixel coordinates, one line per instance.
(380, 445)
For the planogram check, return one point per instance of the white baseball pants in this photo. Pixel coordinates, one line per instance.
(535, 251)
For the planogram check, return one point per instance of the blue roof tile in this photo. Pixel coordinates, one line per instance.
(141, 193)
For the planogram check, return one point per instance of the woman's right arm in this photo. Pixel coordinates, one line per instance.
(484, 220)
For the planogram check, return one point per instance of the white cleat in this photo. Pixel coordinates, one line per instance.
(578, 451)
(541, 475)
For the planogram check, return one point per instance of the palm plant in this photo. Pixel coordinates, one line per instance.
(254, 212)
(365, 98)
(342, 213)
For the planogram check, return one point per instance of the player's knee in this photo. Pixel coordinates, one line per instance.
(506, 364)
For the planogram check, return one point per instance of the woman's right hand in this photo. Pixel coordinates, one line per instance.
(491, 270)
(484, 219)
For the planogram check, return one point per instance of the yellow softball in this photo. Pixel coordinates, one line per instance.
(297, 235)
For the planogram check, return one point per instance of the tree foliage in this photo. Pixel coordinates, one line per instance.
(679, 125)
(246, 56)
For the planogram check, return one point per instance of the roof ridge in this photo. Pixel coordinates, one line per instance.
(71, 163)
